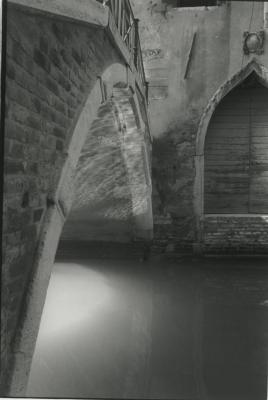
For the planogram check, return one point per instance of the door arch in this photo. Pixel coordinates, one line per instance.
(199, 194)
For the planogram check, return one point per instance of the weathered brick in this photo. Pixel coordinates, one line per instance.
(34, 198)
(57, 30)
(33, 168)
(71, 102)
(17, 220)
(12, 200)
(14, 185)
(59, 132)
(36, 105)
(59, 145)
(52, 86)
(16, 151)
(37, 215)
(33, 137)
(34, 122)
(14, 301)
(18, 267)
(43, 44)
(12, 320)
(43, 93)
(29, 235)
(64, 83)
(60, 119)
(236, 234)
(25, 199)
(14, 167)
(17, 93)
(25, 80)
(10, 70)
(71, 113)
(18, 55)
(29, 37)
(55, 58)
(41, 60)
(66, 56)
(76, 56)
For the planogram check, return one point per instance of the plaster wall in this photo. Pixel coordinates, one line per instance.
(188, 53)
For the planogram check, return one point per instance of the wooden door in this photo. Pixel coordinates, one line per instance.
(236, 153)
(227, 147)
(258, 195)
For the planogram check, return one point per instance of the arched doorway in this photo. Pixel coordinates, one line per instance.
(236, 152)
(231, 183)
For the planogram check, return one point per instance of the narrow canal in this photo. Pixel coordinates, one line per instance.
(184, 329)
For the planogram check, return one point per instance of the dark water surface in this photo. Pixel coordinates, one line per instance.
(182, 329)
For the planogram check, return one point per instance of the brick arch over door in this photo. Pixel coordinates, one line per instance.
(56, 214)
(230, 84)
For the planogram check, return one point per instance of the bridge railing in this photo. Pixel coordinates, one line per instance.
(127, 26)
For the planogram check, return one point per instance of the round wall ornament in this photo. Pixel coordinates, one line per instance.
(253, 42)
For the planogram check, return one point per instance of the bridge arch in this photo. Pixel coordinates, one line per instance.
(60, 202)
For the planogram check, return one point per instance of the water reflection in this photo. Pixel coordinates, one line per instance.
(179, 330)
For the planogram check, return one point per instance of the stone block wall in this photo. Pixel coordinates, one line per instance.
(52, 65)
(236, 234)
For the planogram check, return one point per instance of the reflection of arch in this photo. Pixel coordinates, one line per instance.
(58, 209)
(262, 74)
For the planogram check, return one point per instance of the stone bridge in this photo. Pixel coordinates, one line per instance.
(77, 145)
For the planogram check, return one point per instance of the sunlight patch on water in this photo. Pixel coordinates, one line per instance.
(75, 294)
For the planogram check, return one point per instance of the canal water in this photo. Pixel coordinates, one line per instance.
(184, 329)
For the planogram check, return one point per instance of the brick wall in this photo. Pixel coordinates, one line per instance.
(231, 234)
(51, 67)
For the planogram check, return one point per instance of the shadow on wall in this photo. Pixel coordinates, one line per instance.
(172, 178)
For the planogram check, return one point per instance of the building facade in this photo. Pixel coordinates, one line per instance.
(209, 123)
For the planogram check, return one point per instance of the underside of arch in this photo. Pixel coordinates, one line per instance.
(112, 189)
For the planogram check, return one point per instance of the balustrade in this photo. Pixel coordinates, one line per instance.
(127, 26)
